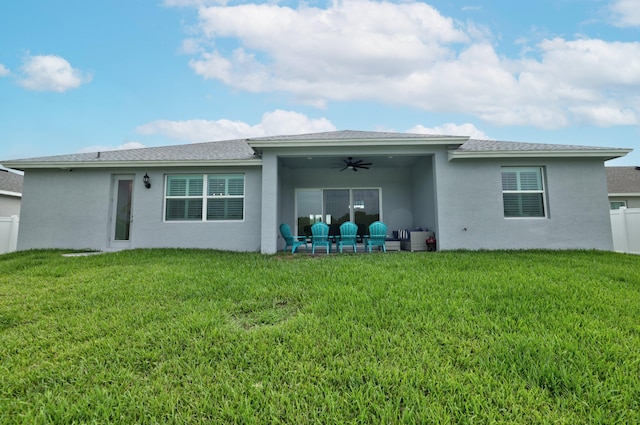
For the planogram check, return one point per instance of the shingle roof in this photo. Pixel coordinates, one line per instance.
(228, 150)
(485, 148)
(495, 145)
(10, 181)
(623, 179)
(232, 151)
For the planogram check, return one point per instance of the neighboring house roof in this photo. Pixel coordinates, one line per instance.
(10, 183)
(623, 180)
(246, 151)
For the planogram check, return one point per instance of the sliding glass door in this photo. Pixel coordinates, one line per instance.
(366, 208)
(308, 210)
(335, 206)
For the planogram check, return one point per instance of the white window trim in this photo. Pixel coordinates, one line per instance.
(543, 192)
(205, 197)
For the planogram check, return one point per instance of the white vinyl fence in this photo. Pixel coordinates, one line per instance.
(625, 228)
(8, 233)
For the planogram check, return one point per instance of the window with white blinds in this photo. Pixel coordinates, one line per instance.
(208, 197)
(523, 192)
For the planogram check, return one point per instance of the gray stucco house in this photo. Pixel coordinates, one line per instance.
(232, 195)
(10, 192)
(624, 187)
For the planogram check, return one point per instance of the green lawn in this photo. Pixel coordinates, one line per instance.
(195, 336)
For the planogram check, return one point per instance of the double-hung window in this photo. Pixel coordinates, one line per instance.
(208, 197)
(523, 192)
(225, 197)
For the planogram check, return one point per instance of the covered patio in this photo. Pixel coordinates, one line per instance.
(398, 190)
(306, 179)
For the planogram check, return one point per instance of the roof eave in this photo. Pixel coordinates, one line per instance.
(321, 143)
(623, 194)
(10, 193)
(586, 153)
(132, 164)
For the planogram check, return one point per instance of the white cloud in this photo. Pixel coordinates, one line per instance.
(196, 130)
(197, 3)
(51, 73)
(583, 81)
(590, 63)
(4, 71)
(101, 148)
(407, 53)
(451, 129)
(312, 51)
(273, 123)
(626, 13)
(606, 115)
(190, 46)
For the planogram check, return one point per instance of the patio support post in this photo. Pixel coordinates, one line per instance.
(269, 224)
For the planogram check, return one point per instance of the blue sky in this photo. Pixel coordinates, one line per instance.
(78, 75)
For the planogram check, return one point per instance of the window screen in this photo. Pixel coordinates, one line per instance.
(523, 192)
(185, 199)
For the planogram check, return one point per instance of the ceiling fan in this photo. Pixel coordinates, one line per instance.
(354, 165)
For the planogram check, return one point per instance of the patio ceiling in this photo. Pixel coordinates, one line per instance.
(336, 162)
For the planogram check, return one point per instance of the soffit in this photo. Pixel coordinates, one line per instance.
(337, 162)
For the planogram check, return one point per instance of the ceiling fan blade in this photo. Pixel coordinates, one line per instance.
(354, 165)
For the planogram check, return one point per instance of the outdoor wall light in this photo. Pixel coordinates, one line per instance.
(146, 181)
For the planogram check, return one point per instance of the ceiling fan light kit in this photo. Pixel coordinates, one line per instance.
(355, 165)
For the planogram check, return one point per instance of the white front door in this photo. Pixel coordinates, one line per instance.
(121, 217)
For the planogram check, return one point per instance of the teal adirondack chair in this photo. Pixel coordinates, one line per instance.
(320, 237)
(293, 241)
(377, 236)
(348, 235)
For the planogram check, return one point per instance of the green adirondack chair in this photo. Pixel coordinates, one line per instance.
(320, 237)
(292, 241)
(377, 236)
(348, 235)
